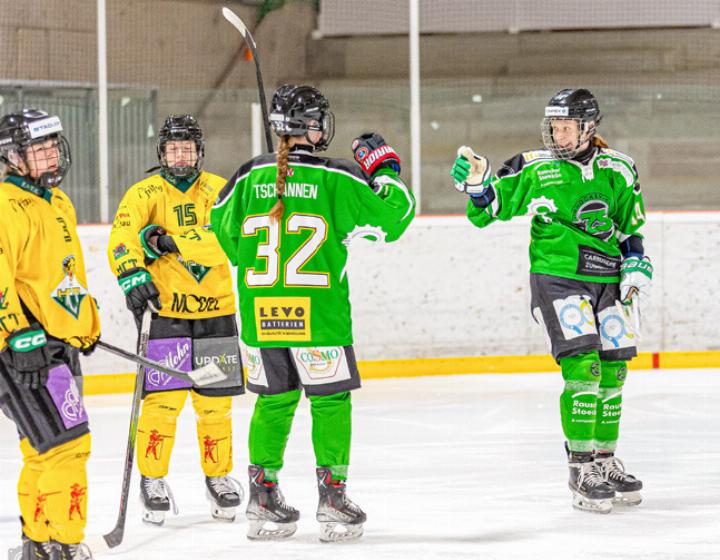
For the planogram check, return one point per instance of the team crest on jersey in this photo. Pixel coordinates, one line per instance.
(592, 216)
(120, 251)
(69, 294)
(196, 270)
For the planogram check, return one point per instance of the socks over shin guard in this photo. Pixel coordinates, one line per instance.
(609, 407)
(578, 402)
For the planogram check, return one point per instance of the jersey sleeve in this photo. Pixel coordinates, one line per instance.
(200, 245)
(124, 249)
(12, 316)
(386, 203)
(629, 213)
(508, 193)
(227, 215)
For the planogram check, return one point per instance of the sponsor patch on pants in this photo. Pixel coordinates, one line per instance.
(224, 353)
(320, 365)
(575, 314)
(614, 330)
(66, 396)
(172, 352)
(254, 366)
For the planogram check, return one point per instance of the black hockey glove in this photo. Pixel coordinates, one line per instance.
(156, 243)
(28, 357)
(140, 292)
(373, 154)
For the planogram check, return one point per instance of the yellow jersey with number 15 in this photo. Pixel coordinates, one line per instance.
(194, 283)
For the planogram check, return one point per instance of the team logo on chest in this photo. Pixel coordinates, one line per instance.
(196, 270)
(593, 217)
(69, 294)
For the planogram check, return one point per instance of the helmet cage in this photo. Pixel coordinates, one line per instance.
(587, 129)
(178, 129)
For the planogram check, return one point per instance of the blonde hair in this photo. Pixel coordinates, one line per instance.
(282, 169)
(599, 142)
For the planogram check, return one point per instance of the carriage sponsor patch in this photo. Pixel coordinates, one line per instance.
(595, 263)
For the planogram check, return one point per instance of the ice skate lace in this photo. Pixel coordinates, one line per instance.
(614, 469)
(591, 473)
(158, 488)
(224, 484)
(279, 499)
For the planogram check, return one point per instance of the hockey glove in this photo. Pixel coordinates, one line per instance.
(28, 357)
(471, 172)
(156, 243)
(635, 279)
(373, 154)
(140, 292)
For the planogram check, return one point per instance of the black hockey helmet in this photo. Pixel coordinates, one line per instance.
(298, 110)
(571, 104)
(20, 131)
(178, 128)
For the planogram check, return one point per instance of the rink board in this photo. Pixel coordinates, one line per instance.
(380, 369)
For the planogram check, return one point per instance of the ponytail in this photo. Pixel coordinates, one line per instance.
(282, 169)
(599, 142)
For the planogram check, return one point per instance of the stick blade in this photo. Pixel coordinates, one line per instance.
(207, 375)
(235, 21)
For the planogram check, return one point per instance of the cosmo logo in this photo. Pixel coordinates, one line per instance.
(319, 361)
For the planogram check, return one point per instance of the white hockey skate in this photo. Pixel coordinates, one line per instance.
(590, 490)
(225, 495)
(627, 487)
(341, 519)
(269, 517)
(156, 498)
(73, 552)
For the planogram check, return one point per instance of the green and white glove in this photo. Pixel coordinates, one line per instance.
(635, 280)
(471, 172)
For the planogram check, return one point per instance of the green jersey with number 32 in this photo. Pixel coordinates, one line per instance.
(580, 211)
(292, 283)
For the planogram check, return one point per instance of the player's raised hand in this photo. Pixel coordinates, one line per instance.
(373, 154)
(471, 172)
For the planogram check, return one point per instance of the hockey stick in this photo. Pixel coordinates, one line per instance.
(205, 375)
(115, 537)
(238, 24)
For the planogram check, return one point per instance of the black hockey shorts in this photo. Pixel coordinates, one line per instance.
(187, 344)
(581, 317)
(53, 414)
(319, 370)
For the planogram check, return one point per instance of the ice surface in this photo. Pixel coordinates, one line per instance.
(453, 467)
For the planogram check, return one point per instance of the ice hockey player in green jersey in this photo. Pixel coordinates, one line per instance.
(285, 220)
(587, 270)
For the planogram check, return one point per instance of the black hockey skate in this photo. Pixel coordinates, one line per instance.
(627, 487)
(225, 494)
(73, 552)
(269, 516)
(32, 550)
(590, 491)
(156, 498)
(340, 518)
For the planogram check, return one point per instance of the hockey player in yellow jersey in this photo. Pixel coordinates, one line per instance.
(166, 257)
(47, 316)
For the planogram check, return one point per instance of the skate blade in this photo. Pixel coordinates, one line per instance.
(581, 503)
(219, 512)
(154, 517)
(627, 499)
(222, 514)
(265, 530)
(340, 532)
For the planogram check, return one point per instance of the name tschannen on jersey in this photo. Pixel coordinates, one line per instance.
(296, 190)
